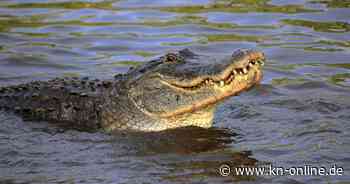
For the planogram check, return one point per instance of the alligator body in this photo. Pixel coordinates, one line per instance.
(176, 90)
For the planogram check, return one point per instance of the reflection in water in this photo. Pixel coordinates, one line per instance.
(189, 149)
(167, 156)
(299, 114)
(181, 141)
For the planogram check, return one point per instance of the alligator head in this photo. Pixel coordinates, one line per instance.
(183, 89)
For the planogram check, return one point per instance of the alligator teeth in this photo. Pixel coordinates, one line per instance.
(245, 71)
(207, 81)
(222, 83)
(240, 71)
(230, 78)
(251, 64)
(234, 72)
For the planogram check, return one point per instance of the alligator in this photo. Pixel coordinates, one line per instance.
(178, 89)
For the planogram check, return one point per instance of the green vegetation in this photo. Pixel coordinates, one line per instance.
(320, 49)
(128, 63)
(319, 26)
(192, 19)
(64, 5)
(334, 3)
(35, 22)
(43, 44)
(38, 21)
(335, 42)
(340, 78)
(240, 6)
(290, 67)
(233, 37)
(319, 46)
(145, 54)
(287, 81)
(121, 63)
(71, 74)
(36, 35)
(340, 65)
(206, 38)
(7, 24)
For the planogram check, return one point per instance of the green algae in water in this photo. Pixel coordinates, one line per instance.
(338, 78)
(240, 6)
(287, 81)
(121, 64)
(36, 35)
(319, 49)
(128, 63)
(7, 24)
(207, 38)
(52, 45)
(64, 5)
(341, 79)
(335, 42)
(317, 46)
(71, 74)
(319, 26)
(178, 43)
(333, 3)
(194, 19)
(233, 37)
(145, 54)
(340, 65)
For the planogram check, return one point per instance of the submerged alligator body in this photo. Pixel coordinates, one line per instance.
(177, 90)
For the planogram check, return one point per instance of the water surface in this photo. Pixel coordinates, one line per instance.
(299, 115)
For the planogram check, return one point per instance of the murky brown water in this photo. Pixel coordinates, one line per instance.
(299, 115)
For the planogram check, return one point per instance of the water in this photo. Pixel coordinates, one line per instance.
(299, 114)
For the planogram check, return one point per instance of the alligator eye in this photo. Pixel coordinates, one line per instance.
(170, 58)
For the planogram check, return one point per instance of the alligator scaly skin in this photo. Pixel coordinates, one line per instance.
(64, 100)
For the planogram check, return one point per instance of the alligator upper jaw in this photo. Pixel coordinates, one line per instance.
(231, 81)
(250, 61)
(241, 64)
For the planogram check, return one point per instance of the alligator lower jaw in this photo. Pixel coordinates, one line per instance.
(226, 88)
